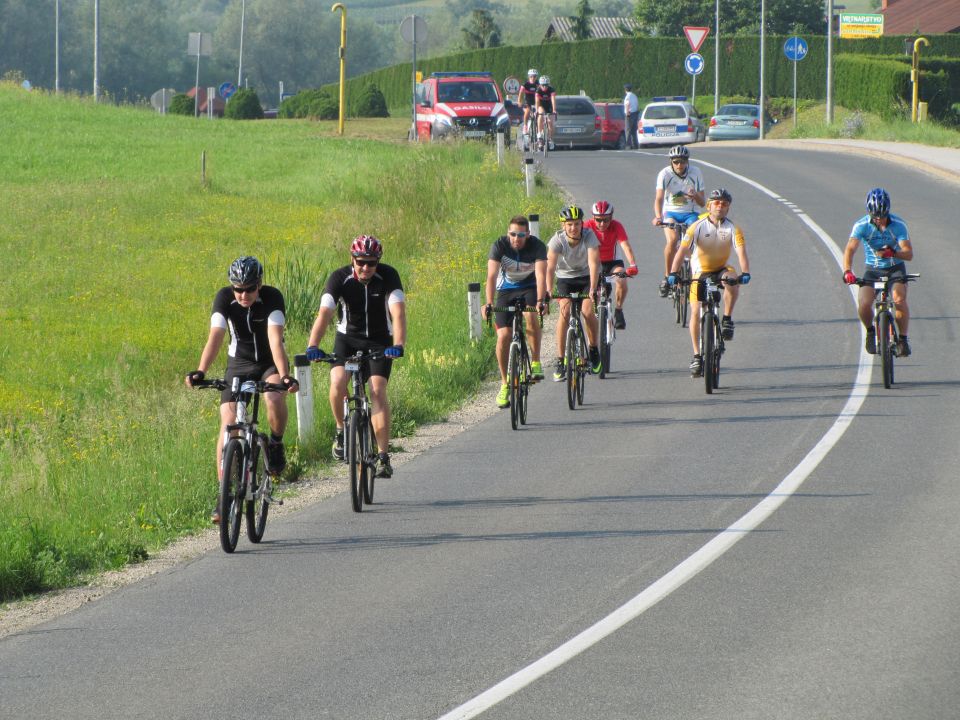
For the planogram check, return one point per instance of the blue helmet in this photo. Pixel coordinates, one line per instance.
(878, 202)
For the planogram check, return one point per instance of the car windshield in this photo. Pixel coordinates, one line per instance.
(575, 106)
(664, 112)
(468, 92)
(746, 110)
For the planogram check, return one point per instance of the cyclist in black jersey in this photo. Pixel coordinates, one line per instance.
(254, 314)
(546, 99)
(367, 298)
(527, 97)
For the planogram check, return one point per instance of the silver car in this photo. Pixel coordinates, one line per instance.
(577, 123)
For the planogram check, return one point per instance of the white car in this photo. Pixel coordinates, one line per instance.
(670, 121)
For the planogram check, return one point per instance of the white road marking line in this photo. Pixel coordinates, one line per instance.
(707, 554)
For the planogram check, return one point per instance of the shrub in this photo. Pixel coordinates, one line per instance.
(182, 104)
(370, 103)
(310, 104)
(245, 105)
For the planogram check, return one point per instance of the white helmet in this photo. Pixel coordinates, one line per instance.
(544, 80)
(533, 72)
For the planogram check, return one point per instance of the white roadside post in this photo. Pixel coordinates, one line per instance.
(528, 172)
(473, 310)
(500, 144)
(211, 96)
(535, 224)
(304, 397)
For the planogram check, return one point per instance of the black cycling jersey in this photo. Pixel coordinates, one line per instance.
(545, 94)
(363, 310)
(528, 92)
(248, 326)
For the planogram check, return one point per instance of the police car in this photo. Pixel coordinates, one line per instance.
(670, 121)
(460, 104)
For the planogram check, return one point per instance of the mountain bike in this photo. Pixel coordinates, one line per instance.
(605, 315)
(360, 443)
(884, 321)
(245, 481)
(576, 356)
(679, 293)
(711, 339)
(519, 370)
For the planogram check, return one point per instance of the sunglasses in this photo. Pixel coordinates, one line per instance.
(366, 263)
(247, 289)
(679, 162)
(602, 219)
(519, 234)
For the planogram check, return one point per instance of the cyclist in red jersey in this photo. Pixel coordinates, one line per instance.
(614, 249)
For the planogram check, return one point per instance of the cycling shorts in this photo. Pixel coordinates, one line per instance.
(687, 219)
(872, 274)
(716, 275)
(346, 345)
(506, 298)
(245, 370)
(569, 286)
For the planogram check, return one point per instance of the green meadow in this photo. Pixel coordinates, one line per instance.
(114, 250)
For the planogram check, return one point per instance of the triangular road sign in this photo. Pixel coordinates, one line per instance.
(695, 36)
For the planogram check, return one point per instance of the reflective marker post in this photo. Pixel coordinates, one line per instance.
(535, 224)
(528, 171)
(473, 310)
(304, 397)
(500, 143)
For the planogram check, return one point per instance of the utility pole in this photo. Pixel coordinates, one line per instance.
(829, 62)
(96, 50)
(56, 50)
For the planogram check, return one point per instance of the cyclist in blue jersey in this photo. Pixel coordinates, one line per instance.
(886, 245)
(517, 267)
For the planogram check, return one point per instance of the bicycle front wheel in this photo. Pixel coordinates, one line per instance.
(231, 494)
(259, 506)
(368, 466)
(603, 316)
(355, 451)
(571, 357)
(885, 348)
(708, 345)
(583, 368)
(523, 391)
(513, 381)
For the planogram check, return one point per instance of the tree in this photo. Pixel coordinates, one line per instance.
(581, 21)
(737, 17)
(482, 31)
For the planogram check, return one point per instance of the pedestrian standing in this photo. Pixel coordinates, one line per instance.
(631, 111)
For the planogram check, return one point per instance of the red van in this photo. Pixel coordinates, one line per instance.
(613, 124)
(460, 104)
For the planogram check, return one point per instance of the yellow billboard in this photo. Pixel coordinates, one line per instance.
(861, 25)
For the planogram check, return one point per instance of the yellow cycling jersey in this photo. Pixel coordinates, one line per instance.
(712, 244)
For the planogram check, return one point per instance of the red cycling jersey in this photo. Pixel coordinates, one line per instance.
(610, 238)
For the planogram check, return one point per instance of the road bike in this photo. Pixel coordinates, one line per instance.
(519, 370)
(246, 483)
(576, 355)
(527, 134)
(884, 321)
(545, 135)
(360, 443)
(605, 318)
(679, 292)
(711, 338)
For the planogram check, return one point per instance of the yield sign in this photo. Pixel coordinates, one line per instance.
(695, 36)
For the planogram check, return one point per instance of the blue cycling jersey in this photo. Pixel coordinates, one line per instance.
(874, 239)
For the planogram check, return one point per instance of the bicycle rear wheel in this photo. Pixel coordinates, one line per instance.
(355, 452)
(513, 381)
(708, 345)
(231, 495)
(885, 348)
(571, 358)
(369, 478)
(261, 482)
(684, 290)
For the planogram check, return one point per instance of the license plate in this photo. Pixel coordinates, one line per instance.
(664, 132)
(352, 366)
(736, 122)
(474, 133)
(565, 130)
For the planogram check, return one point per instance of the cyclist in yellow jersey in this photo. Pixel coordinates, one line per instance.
(708, 243)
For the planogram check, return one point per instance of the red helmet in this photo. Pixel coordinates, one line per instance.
(602, 207)
(366, 246)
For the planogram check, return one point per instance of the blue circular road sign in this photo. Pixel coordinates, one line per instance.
(227, 89)
(693, 63)
(795, 48)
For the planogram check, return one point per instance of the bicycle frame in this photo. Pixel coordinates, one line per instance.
(519, 369)
(360, 440)
(680, 292)
(576, 357)
(711, 340)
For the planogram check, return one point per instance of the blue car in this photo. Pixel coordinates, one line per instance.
(736, 122)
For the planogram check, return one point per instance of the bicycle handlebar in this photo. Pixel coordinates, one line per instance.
(674, 225)
(357, 356)
(909, 277)
(262, 386)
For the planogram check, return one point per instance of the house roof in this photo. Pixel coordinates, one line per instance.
(600, 27)
(906, 17)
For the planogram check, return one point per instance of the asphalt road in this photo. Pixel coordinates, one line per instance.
(835, 598)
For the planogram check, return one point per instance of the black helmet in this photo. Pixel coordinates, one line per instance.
(571, 212)
(721, 194)
(245, 271)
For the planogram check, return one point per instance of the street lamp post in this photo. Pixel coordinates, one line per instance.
(716, 61)
(343, 61)
(763, 36)
(830, 10)
(56, 50)
(243, 17)
(96, 50)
